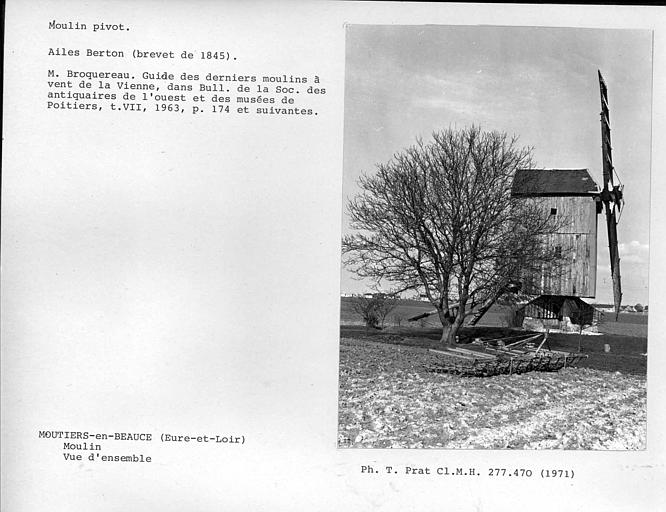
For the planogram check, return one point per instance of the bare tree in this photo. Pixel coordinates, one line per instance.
(375, 309)
(439, 218)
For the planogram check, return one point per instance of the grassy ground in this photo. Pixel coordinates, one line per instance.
(628, 324)
(389, 399)
(626, 337)
(627, 353)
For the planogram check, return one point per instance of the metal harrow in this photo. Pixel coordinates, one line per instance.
(495, 357)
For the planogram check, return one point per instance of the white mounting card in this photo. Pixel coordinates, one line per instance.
(175, 185)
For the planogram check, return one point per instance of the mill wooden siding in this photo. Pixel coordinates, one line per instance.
(578, 243)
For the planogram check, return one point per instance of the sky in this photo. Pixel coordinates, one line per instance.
(405, 82)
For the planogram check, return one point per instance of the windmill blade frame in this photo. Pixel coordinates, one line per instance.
(611, 196)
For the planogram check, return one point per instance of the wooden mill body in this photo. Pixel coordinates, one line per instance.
(571, 197)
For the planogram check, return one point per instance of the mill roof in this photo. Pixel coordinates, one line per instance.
(553, 182)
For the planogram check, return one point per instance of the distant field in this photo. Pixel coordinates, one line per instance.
(409, 308)
(628, 324)
(405, 309)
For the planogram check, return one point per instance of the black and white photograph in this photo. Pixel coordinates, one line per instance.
(496, 194)
(345, 255)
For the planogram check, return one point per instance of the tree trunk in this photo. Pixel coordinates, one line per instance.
(450, 327)
(446, 330)
(450, 334)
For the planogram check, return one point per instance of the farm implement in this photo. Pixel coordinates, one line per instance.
(485, 358)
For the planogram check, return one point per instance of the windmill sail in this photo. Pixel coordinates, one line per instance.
(611, 196)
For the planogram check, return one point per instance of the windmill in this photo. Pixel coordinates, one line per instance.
(573, 194)
(582, 200)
